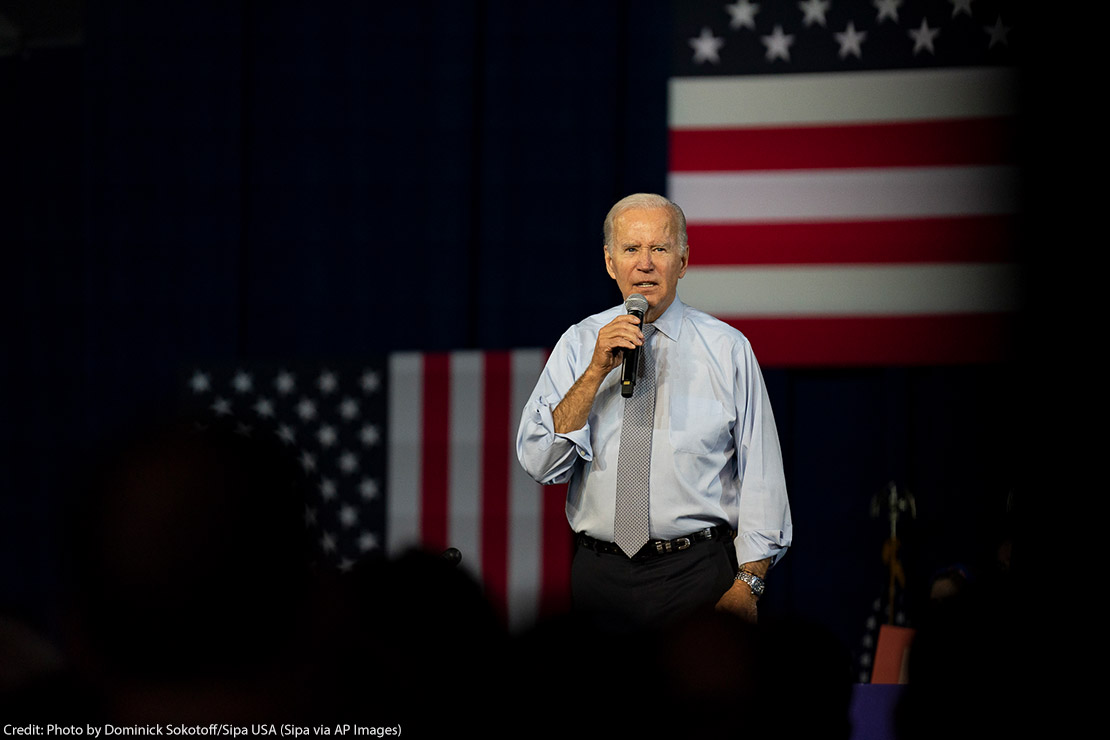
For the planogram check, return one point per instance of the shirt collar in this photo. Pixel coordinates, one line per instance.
(670, 323)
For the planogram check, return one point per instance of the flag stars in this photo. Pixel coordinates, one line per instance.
(285, 383)
(348, 516)
(742, 14)
(960, 6)
(308, 461)
(326, 420)
(850, 41)
(367, 541)
(286, 434)
(306, 409)
(348, 462)
(264, 408)
(998, 33)
(327, 436)
(813, 12)
(801, 38)
(778, 44)
(887, 9)
(368, 489)
(370, 382)
(242, 382)
(923, 37)
(200, 382)
(369, 435)
(707, 47)
(327, 382)
(348, 409)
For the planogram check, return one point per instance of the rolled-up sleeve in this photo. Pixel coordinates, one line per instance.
(545, 455)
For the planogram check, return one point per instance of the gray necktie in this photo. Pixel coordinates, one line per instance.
(633, 510)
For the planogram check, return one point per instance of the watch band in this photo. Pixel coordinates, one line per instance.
(755, 583)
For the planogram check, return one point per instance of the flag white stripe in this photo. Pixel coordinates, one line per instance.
(875, 290)
(404, 455)
(525, 510)
(465, 460)
(856, 97)
(807, 195)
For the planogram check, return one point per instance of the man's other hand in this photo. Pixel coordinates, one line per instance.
(740, 601)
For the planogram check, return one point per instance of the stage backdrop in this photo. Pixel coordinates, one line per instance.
(209, 202)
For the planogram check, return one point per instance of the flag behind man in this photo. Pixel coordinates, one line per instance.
(849, 174)
(413, 451)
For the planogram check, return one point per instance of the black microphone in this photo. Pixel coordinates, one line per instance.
(636, 305)
(452, 556)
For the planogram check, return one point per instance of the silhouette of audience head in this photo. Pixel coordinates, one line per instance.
(189, 568)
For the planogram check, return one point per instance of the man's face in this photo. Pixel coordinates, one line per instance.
(645, 257)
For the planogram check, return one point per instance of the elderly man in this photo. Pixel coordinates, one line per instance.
(676, 493)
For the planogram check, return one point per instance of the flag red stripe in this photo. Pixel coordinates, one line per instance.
(558, 550)
(952, 239)
(496, 412)
(857, 341)
(972, 141)
(436, 430)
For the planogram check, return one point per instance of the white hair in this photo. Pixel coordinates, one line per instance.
(646, 200)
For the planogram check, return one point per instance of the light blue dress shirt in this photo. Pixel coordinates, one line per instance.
(715, 450)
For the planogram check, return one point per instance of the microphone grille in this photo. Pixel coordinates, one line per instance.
(636, 302)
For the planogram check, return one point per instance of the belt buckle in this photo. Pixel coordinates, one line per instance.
(666, 548)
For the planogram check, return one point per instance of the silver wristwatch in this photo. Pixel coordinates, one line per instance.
(755, 583)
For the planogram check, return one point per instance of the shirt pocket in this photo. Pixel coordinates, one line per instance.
(698, 425)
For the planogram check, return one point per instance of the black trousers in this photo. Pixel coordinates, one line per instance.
(655, 591)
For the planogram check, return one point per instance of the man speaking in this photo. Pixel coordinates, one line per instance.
(676, 490)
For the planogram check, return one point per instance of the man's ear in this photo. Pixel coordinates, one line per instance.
(609, 263)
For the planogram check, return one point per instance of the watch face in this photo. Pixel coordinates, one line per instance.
(755, 583)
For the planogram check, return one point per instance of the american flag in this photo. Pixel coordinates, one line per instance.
(849, 172)
(413, 450)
